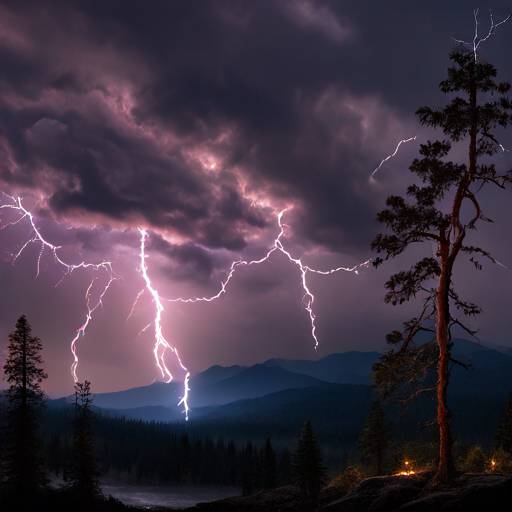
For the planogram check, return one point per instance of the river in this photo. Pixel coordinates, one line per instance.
(154, 495)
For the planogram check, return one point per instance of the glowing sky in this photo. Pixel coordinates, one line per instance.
(199, 122)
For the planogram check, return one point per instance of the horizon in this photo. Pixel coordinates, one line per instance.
(483, 343)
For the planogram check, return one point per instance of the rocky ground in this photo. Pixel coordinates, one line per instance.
(469, 492)
(414, 493)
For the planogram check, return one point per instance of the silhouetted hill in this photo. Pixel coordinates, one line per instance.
(255, 405)
(348, 377)
(216, 373)
(476, 354)
(157, 393)
(148, 402)
(330, 367)
(256, 381)
(221, 385)
(237, 390)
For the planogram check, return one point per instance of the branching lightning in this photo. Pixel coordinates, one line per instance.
(477, 41)
(161, 344)
(307, 299)
(90, 311)
(38, 238)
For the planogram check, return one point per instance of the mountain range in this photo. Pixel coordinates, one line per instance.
(235, 390)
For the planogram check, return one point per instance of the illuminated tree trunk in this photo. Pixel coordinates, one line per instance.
(446, 468)
(448, 251)
(421, 220)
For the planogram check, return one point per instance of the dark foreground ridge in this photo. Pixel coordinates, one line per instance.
(469, 492)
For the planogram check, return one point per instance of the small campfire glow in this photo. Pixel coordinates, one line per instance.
(407, 470)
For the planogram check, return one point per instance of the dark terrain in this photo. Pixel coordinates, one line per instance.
(467, 492)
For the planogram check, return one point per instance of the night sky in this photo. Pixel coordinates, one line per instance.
(200, 121)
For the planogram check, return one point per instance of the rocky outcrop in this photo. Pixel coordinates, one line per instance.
(382, 494)
(414, 493)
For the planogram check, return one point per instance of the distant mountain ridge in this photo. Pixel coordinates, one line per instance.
(235, 390)
(331, 367)
(220, 385)
(156, 394)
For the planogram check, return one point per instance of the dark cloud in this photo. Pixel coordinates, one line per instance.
(185, 262)
(291, 95)
(200, 121)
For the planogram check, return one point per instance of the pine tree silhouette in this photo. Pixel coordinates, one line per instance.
(308, 469)
(424, 219)
(503, 438)
(23, 471)
(84, 471)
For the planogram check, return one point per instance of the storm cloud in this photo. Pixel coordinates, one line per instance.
(201, 121)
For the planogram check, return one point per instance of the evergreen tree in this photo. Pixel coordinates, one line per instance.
(23, 471)
(503, 438)
(231, 463)
(84, 471)
(422, 221)
(247, 470)
(185, 459)
(256, 468)
(197, 461)
(308, 470)
(374, 437)
(284, 469)
(268, 462)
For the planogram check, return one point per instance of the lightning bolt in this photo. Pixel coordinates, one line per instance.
(477, 41)
(88, 318)
(308, 297)
(68, 269)
(390, 156)
(161, 344)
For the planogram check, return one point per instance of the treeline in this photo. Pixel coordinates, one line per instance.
(337, 415)
(159, 453)
(151, 452)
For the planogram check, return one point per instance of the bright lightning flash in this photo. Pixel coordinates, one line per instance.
(38, 238)
(307, 299)
(477, 41)
(161, 344)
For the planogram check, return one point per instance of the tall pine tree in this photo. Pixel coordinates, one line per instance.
(84, 471)
(268, 462)
(23, 471)
(308, 469)
(471, 116)
(374, 439)
(503, 438)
